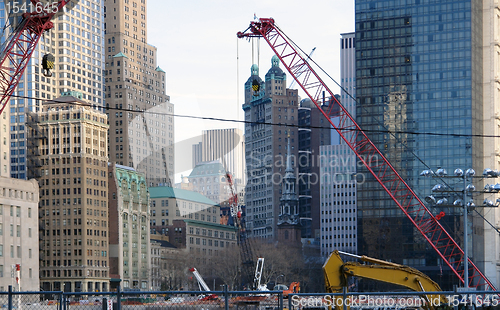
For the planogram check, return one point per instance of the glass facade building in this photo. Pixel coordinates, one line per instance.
(418, 71)
(77, 42)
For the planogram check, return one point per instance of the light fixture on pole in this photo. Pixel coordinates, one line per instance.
(468, 189)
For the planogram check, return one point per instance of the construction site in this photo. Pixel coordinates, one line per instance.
(342, 280)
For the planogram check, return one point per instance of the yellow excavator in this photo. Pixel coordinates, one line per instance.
(336, 273)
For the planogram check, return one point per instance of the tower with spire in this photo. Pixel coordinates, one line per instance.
(289, 228)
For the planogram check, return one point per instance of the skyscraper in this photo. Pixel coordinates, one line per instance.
(140, 113)
(419, 69)
(68, 152)
(227, 146)
(338, 167)
(77, 43)
(311, 137)
(265, 145)
(4, 144)
(129, 244)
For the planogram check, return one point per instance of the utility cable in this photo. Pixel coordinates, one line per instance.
(270, 123)
(492, 226)
(392, 133)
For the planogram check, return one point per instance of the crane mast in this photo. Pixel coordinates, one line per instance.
(247, 261)
(381, 169)
(21, 44)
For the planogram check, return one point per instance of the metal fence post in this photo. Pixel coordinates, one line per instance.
(118, 298)
(344, 297)
(226, 297)
(9, 305)
(280, 301)
(290, 301)
(61, 301)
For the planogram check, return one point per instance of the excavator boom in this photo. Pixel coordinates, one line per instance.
(336, 272)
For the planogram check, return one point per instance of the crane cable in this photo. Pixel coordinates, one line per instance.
(404, 145)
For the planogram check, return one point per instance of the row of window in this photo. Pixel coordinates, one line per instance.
(209, 242)
(17, 210)
(30, 273)
(17, 253)
(208, 232)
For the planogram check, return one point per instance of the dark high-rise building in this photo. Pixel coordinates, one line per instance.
(311, 137)
(419, 69)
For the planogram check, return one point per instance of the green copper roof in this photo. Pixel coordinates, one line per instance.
(159, 69)
(120, 54)
(208, 169)
(169, 192)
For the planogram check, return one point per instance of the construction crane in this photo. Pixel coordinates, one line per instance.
(258, 275)
(336, 273)
(303, 69)
(20, 45)
(247, 259)
(405, 198)
(203, 285)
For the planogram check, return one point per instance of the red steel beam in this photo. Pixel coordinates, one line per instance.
(18, 51)
(405, 198)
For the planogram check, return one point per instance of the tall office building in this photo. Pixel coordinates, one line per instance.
(226, 146)
(265, 145)
(425, 67)
(491, 116)
(338, 167)
(77, 42)
(4, 144)
(311, 137)
(129, 245)
(19, 234)
(140, 114)
(67, 146)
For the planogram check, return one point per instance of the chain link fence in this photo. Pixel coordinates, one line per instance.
(246, 300)
(138, 300)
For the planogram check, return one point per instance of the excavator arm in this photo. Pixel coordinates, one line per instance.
(336, 273)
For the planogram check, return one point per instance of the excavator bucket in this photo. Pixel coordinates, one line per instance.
(335, 278)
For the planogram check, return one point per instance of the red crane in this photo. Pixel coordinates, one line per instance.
(22, 42)
(421, 217)
(247, 260)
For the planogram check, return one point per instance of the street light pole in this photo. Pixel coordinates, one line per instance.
(468, 174)
(466, 246)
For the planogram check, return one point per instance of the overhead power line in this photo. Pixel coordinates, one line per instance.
(283, 124)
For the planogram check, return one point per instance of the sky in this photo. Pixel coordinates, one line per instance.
(206, 65)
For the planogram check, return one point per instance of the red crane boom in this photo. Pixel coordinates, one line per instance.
(22, 42)
(365, 150)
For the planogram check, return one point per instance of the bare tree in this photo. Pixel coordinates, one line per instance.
(226, 267)
(282, 260)
(173, 269)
